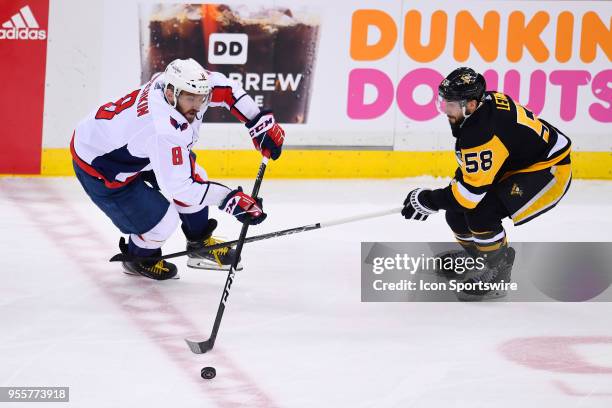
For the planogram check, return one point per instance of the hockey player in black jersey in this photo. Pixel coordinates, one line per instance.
(510, 164)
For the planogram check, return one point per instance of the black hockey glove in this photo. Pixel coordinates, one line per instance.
(415, 208)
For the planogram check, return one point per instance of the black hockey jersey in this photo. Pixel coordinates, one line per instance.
(499, 139)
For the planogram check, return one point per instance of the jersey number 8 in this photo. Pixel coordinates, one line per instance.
(109, 110)
(478, 160)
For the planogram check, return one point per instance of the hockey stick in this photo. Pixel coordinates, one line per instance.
(255, 238)
(200, 347)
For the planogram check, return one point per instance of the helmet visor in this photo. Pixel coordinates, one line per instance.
(192, 99)
(450, 108)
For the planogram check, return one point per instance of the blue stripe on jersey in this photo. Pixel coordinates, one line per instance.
(118, 161)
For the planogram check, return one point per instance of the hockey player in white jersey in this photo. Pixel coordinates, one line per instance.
(134, 159)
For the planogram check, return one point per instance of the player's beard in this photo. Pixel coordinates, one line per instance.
(457, 123)
(190, 115)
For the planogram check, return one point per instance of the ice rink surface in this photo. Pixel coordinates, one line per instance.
(295, 333)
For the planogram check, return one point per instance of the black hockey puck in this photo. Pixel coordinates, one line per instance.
(208, 373)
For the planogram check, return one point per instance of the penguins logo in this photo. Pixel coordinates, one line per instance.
(467, 78)
(516, 190)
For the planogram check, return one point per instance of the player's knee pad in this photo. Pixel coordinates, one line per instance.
(195, 224)
(156, 236)
(457, 222)
(486, 226)
(483, 221)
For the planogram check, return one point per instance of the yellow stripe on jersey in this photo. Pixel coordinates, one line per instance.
(539, 165)
(464, 197)
(548, 197)
(481, 164)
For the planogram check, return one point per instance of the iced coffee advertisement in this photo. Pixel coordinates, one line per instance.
(270, 51)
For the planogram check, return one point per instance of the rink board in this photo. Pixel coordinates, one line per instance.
(338, 164)
(365, 102)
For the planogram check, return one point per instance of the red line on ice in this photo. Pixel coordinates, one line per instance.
(557, 354)
(240, 391)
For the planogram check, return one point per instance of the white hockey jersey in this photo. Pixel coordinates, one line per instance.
(142, 132)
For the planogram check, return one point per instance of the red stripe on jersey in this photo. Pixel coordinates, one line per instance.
(225, 94)
(195, 176)
(180, 203)
(239, 115)
(95, 173)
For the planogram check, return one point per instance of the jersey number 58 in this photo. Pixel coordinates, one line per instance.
(478, 160)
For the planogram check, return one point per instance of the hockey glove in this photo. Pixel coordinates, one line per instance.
(243, 207)
(266, 134)
(414, 207)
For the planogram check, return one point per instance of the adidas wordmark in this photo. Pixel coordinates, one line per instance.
(22, 26)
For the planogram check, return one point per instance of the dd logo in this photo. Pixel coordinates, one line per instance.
(227, 48)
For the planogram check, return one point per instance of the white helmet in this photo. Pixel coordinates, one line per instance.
(187, 75)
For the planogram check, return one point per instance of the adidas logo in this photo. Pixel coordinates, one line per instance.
(22, 26)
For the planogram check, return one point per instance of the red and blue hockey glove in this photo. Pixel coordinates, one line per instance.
(243, 207)
(266, 134)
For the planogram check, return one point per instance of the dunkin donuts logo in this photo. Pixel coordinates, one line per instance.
(22, 26)
(546, 57)
(228, 48)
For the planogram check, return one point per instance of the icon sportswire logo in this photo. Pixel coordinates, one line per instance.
(22, 26)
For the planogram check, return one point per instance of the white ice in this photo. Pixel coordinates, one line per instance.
(295, 333)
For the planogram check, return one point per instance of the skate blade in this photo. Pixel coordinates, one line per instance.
(137, 275)
(209, 265)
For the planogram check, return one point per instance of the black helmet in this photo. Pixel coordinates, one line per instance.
(462, 84)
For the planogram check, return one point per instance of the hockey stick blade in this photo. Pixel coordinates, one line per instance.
(199, 347)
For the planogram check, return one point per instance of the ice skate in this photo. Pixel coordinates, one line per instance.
(218, 259)
(158, 270)
(496, 271)
(448, 259)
